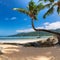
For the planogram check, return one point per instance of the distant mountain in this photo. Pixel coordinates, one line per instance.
(35, 33)
(57, 30)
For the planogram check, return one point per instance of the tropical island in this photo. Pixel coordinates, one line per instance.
(38, 33)
(13, 47)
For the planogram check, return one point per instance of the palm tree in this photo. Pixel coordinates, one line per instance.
(32, 11)
(52, 4)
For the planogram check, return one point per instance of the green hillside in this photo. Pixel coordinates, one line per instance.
(35, 33)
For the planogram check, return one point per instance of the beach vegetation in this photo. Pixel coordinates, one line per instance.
(33, 10)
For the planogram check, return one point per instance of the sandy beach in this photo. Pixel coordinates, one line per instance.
(12, 52)
(18, 52)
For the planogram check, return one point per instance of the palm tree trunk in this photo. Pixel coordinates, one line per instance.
(56, 33)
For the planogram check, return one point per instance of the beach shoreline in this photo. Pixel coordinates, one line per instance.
(12, 51)
(22, 40)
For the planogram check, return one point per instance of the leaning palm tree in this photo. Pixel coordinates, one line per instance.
(52, 5)
(32, 11)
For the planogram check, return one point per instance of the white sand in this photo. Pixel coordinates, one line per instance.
(2, 46)
(5, 48)
(22, 40)
(41, 58)
(12, 52)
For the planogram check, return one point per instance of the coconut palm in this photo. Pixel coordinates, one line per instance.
(52, 5)
(32, 11)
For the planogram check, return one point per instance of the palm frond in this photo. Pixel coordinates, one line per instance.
(21, 10)
(50, 11)
(40, 6)
(31, 5)
(58, 10)
(47, 5)
(47, 0)
(43, 0)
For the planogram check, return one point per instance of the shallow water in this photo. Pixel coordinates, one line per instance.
(23, 37)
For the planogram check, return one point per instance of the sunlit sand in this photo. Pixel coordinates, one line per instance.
(19, 52)
(41, 58)
(5, 48)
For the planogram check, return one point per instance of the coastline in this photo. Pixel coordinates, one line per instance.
(22, 40)
(13, 51)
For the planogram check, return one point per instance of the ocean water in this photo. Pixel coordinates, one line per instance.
(14, 38)
(23, 37)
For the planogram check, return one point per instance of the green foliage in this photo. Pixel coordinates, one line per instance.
(33, 9)
(58, 10)
(47, 0)
(38, 33)
(32, 5)
(40, 6)
(47, 5)
(22, 10)
(32, 34)
(50, 11)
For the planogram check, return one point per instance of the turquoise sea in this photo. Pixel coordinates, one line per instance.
(23, 37)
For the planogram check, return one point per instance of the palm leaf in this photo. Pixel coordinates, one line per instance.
(31, 5)
(47, 5)
(58, 10)
(47, 0)
(42, 6)
(50, 11)
(43, 0)
(39, 7)
(21, 10)
(51, 0)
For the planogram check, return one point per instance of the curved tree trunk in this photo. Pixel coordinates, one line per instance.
(56, 33)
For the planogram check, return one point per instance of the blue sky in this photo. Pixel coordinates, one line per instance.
(13, 22)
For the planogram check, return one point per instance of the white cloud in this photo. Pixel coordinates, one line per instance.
(26, 30)
(13, 18)
(46, 25)
(25, 19)
(54, 25)
(40, 27)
